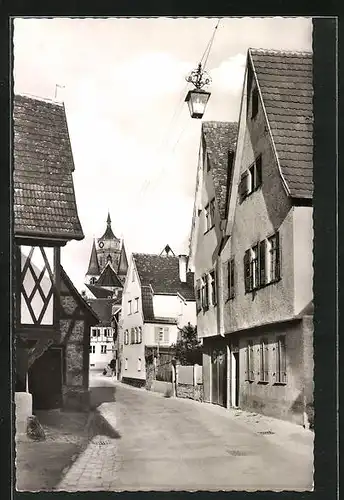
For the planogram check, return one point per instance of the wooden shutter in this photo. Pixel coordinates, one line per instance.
(266, 361)
(251, 362)
(166, 334)
(278, 258)
(274, 364)
(156, 334)
(283, 360)
(262, 262)
(247, 271)
(243, 186)
(206, 293)
(198, 295)
(258, 171)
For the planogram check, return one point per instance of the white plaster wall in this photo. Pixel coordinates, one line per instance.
(303, 257)
(149, 334)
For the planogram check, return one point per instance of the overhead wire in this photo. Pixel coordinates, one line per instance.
(178, 109)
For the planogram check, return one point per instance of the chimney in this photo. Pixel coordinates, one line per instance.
(182, 267)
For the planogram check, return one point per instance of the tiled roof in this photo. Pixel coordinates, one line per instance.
(123, 262)
(83, 303)
(99, 292)
(44, 199)
(103, 309)
(148, 310)
(108, 277)
(93, 266)
(286, 84)
(162, 273)
(220, 139)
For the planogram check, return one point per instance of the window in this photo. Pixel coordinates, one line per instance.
(262, 264)
(126, 364)
(161, 335)
(139, 335)
(198, 296)
(94, 332)
(92, 349)
(255, 102)
(98, 332)
(132, 336)
(105, 332)
(230, 278)
(126, 337)
(264, 361)
(129, 306)
(251, 179)
(274, 258)
(205, 293)
(103, 349)
(139, 365)
(255, 267)
(249, 362)
(213, 287)
(281, 361)
(136, 304)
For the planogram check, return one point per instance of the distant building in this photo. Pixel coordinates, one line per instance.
(105, 276)
(158, 297)
(259, 352)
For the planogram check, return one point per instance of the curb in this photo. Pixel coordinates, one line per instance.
(105, 421)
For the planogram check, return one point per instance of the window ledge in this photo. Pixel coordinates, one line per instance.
(229, 298)
(279, 383)
(263, 382)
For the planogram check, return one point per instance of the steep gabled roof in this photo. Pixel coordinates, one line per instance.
(93, 266)
(44, 199)
(108, 277)
(99, 292)
(123, 262)
(162, 273)
(82, 302)
(103, 309)
(286, 84)
(219, 142)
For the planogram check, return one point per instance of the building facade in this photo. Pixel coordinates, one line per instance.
(265, 326)
(158, 298)
(45, 219)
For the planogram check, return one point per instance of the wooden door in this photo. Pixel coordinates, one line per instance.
(45, 380)
(219, 377)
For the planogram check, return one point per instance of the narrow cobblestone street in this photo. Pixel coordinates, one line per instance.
(175, 444)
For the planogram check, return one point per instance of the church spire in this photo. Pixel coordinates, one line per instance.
(93, 267)
(108, 235)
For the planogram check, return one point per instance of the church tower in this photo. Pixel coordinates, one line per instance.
(108, 263)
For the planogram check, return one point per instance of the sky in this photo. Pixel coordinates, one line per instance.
(135, 146)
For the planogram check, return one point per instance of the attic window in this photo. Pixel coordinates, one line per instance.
(254, 102)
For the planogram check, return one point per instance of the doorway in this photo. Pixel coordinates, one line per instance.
(45, 380)
(219, 377)
(235, 379)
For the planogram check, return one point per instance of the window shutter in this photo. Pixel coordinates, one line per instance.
(278, 258)
(166, 334)
(258, 171)
(283, 361)
(246, 363)
(251, 362)
(157, 330)
(247, 271)
(262, 262)
(274, 364)
(243, 186)
(266, 365)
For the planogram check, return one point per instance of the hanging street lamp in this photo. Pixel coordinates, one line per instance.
(197, 98)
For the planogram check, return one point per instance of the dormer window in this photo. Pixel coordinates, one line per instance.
(255, 101)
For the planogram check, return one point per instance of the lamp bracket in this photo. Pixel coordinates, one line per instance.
(198, 77)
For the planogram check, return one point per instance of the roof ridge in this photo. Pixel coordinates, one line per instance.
(279, 51)
(39, 98)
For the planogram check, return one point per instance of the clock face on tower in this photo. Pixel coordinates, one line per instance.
(101, 244)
